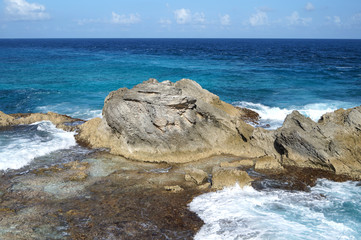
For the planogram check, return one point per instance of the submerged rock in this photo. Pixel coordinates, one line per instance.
(168, 122)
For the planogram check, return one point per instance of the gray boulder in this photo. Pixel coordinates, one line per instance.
(333, 144)
(169, 122)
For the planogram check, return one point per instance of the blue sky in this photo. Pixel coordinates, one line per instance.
(180, 19)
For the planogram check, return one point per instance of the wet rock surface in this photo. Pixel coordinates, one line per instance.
(108, 197)
(104, 197)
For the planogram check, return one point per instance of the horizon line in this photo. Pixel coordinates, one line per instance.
(286, 38)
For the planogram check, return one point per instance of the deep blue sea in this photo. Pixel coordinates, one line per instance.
(270, 76)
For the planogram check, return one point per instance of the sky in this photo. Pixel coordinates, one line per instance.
(180, 19)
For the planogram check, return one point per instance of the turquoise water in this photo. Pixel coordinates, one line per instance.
(73, 76)
(273, 77)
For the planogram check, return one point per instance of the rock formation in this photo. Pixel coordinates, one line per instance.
(170, 122)
(61, 121)
(181, 122)
(332, 144)
(227, 177)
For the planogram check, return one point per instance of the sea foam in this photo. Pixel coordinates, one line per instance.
(274, 116)
(19, 146)
(329, 211)
(73, 111)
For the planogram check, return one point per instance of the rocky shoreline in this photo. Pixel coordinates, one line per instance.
(167, 143)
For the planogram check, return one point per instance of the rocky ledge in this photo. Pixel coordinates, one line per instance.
(60, 121)
(182, 122)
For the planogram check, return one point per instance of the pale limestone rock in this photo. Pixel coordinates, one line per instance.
(247, 163)
(226, 177)
(197, 176)
(333, 144)
(268, 164)
(174, 189)
(204, 186)
(5, 120)
(168, 122)
(58, 120)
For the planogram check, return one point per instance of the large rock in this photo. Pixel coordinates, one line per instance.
(170, 122)
(181, 122)
(334, 143)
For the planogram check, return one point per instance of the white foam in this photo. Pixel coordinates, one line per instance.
(274, 116)
(75, 112)
(18, 150)
(236, 213)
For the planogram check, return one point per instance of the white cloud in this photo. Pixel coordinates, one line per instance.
(125, 19)
(356, 19)
(23, 10)
(225, 20)
(335, 20)
(309, 7)
(183, 16)
(258, 19)
(199, 18)
(85, 21)
(165, 22)
(295, 19)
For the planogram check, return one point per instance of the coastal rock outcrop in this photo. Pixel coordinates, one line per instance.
(333, 144)
(168, 122)
(61, 121)
(182, 122)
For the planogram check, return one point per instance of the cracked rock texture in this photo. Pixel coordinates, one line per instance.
(169, 122)
(333, 144)
(182, 122)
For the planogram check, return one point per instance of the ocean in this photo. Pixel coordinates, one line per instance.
(271, 76)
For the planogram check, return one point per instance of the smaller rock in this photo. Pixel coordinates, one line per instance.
(240, 163)
(197, 176)
(5, 120)
(59, 120)
(226, 177)
(268, 164)
(204, 186)
(249, 115)
(173, 189)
